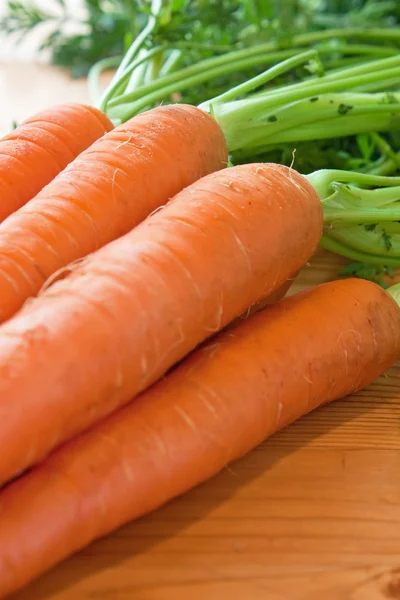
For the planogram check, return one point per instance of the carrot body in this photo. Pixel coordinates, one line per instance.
(134, 308)
(221, 402)
(103, 193)
(42, 146)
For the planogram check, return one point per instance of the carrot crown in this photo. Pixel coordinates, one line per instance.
(361, 215)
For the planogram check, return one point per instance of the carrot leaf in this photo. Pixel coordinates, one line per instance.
(367, 271)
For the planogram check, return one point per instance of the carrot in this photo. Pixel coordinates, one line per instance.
(130, 311)
(220, 403)
(266, 301)
(103, 193)
(36, 151)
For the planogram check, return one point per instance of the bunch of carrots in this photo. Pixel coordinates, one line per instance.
(126, 377)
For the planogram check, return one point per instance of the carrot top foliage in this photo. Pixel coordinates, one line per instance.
(105, 28)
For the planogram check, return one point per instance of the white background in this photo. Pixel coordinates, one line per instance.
(27, 83)
(27, 51)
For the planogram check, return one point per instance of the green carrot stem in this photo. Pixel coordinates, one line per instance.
(137, 44)
(113, 87)
(386, 167)
(323, 180)
(394, 291)
(323, 117)
(120, 76)
(350, 74)
(374, 259)
(314, 88)
(195, 74)
(267, 53)
(387, 150)
(266, 76)
(376, 242)
(361, 215)
(138, 73)
(95, 73)
(172, 61)
(337, 218)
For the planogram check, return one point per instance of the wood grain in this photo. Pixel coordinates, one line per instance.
(311, 514)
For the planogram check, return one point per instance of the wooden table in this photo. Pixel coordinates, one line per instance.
(312, 514)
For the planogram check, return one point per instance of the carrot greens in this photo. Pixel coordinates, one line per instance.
(100, 29)
(301, 98)
(361, 216)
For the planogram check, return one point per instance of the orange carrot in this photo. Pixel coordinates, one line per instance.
(215, 407)
(42, 146)
(133, 309)
(270, 299)
(103, 193)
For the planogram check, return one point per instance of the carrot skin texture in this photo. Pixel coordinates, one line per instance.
(219, 404)
(133, 309)
(270, 299)
(41, 147)
(108, 189)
